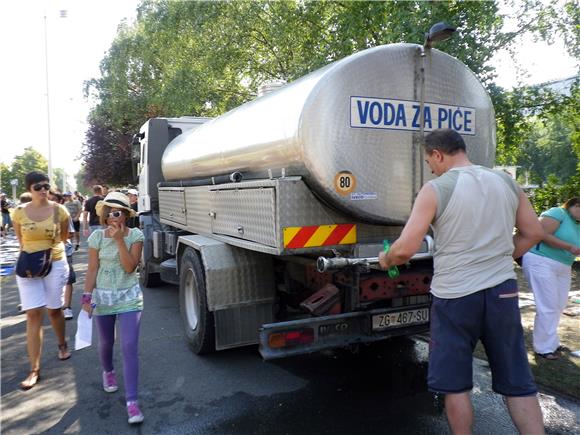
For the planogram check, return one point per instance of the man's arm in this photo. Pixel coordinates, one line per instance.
(414, 231)
(529, 228)
(85, 220)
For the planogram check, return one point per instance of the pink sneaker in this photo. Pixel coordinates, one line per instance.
(134, 413)
(110, 382)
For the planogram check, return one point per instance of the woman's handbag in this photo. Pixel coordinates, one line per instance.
(37, 264)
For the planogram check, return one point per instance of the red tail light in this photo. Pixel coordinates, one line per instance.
(291, 338)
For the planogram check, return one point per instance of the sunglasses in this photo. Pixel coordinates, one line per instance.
(115, 214)
(38, 187)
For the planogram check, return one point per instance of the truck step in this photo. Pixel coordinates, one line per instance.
(168, 271)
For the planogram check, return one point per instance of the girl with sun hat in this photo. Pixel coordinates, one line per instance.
(112, 293)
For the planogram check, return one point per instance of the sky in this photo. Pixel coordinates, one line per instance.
(77, 43)
(75, 46)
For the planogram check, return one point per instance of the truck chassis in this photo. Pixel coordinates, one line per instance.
(244, 280)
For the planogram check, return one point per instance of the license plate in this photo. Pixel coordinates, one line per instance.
(401, 318)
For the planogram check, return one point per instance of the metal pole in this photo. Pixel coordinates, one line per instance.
(324, 264)
(47, 100)
(422, 119)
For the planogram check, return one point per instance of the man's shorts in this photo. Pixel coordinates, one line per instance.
(77, 226)
(491, 315)
(72, 276)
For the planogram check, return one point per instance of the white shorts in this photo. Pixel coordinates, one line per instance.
(47, 291)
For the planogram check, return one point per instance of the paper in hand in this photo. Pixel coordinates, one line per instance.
(84, 335)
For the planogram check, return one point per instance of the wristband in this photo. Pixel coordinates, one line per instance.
(86, 298)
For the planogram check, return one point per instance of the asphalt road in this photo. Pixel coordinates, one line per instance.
(381, 389)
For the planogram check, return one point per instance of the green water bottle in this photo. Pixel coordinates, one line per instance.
(392, 271)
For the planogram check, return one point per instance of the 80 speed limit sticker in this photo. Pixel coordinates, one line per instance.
(344, 182)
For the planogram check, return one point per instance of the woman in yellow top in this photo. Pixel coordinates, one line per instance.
(34, 224)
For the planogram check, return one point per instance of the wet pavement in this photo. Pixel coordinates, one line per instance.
(374, 389)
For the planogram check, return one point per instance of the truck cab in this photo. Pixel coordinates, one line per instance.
(148, 147)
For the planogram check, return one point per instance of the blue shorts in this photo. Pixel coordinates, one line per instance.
(492, 316)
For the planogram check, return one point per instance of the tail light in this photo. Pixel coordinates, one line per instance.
(291, 338)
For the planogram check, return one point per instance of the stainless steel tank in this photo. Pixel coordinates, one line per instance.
(351, 129)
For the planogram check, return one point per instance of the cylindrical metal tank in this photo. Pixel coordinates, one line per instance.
(351, 129)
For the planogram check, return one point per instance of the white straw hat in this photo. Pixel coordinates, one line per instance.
(115, 200)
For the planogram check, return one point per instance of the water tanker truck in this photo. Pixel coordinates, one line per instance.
(270, 217)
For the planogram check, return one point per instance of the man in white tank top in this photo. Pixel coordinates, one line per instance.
(473, 211)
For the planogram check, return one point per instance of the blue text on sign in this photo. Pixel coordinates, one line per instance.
(369, 112)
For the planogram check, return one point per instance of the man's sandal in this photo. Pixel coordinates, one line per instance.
(552, 356)
(31, 380)
(63, 352)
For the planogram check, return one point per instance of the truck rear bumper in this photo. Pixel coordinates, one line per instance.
(296, 337)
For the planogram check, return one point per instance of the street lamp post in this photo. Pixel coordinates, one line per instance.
(14, 184)
(63, 14)
(47, 100)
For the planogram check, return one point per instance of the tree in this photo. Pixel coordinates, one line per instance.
(204, 58)
(548, 150)
(5, 177)
(106, 154)
(82, 187)
(30, 160)
(58, 177)
(553, 194)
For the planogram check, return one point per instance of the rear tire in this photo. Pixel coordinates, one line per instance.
(198, 321)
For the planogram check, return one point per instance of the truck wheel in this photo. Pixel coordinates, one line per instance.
(146, 278)
(198, 321)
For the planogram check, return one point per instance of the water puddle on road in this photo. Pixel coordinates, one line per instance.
(380, 388)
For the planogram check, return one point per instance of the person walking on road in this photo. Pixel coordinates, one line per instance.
(473, 211)
(6, 220)
(75, 209)
(133, 195)
(548, 270)
(39, 225)
(69, 250)
(112, 292)
(90, 217)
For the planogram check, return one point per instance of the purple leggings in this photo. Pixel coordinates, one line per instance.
(129, 345)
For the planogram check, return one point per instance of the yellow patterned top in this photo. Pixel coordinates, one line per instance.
(40, 235)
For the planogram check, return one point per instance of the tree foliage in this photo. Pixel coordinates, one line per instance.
(107, 154)
(554, 194)
(29, 160)
(204, 58)
(83, 188)
(5, 177)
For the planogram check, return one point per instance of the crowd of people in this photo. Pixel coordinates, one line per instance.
(474, 288)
